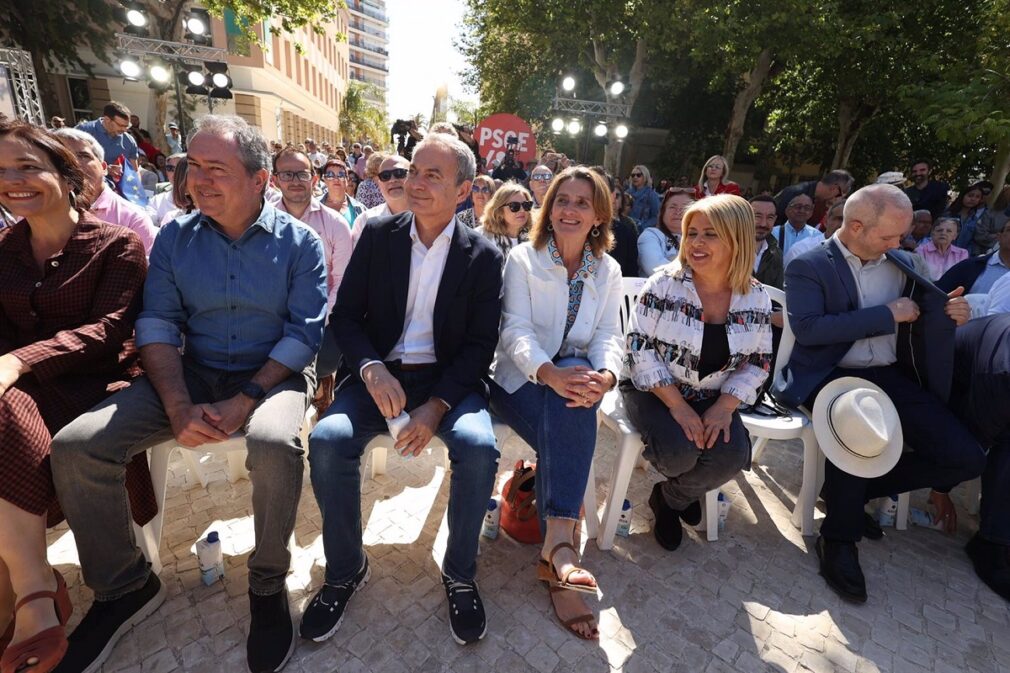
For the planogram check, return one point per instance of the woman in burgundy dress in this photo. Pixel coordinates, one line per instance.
(70, 289)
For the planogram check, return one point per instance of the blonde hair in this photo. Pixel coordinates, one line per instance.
(702, 179)
(494, 212)
(602, 207)
(486, 181)
(373, 162)
(733, 220)
(646, 175)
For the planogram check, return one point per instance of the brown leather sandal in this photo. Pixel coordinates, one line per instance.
(8, 635)
(46, 647)
(547, 572)
(580, 619)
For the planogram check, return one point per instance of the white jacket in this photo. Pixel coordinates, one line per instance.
(534, 311)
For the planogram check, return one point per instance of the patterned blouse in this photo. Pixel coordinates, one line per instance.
(586, 270)
(369, 194)
(665, 333)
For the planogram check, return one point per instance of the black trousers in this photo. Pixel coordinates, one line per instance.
(943, 454)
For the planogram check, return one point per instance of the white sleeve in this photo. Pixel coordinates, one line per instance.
(999, 296)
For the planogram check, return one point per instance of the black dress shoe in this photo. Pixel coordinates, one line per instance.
(992, 564)
(871, 529)
(840, 569)
(271, 638)
(666, 529)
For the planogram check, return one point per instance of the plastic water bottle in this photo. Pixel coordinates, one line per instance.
(724, 505)
(624, 522)
(208, 551)
(924, 519)
(887, 512)
(492, 519)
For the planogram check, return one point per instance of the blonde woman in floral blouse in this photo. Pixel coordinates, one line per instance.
(698, 345)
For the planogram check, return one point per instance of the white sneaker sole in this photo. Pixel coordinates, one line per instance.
(463, 642)
(329, 634)
(140, 615)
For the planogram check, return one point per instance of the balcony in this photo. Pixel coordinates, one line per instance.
(362, 27)
(356, 6)
(374, 48)
(359, 77)
(368, 63)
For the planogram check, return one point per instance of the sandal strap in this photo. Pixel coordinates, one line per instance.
(581, 619)
(34, 597)
(576, 569)
(558, 547)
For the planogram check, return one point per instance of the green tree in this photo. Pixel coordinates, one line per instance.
(360, 120)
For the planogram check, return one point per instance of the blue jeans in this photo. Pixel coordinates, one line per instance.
(335, 448)
(564, 439)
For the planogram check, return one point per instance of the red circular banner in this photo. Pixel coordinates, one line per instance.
(494, 132)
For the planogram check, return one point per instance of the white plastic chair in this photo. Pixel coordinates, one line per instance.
(149, 537)
(630, 447)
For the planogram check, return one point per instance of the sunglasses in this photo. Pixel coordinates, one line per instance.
(543, 177)
(398, 173)
(288, 176)
(330, 175)
(636, 175)
(170, 168)
(480, 190)
(514, 206)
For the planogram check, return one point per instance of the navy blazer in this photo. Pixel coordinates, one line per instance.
(825, 317)
(964, 273)
(368, 318)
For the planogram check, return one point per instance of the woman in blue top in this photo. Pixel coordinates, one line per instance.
(335, 175)
(646, 207)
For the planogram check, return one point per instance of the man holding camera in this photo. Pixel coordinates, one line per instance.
(509, 169)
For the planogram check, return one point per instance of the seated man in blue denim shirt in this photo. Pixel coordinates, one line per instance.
(245, 285)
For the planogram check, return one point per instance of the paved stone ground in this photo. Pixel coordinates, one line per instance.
(752, 601)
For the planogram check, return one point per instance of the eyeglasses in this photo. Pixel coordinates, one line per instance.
(542, 177)
(514, 206)
(330, 175)
(480, 190)
(170, 168)
(636, 175)
(288, 176)
(802, 207)
(398, 173)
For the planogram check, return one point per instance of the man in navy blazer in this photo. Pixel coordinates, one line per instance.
(981, 398)
(857, 308)
(416, 320)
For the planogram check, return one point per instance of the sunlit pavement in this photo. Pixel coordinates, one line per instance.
(751, 601)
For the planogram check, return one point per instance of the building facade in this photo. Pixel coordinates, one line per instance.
(291, 87)
(368, 40)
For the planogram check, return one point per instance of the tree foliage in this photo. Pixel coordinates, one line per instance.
(360, 120)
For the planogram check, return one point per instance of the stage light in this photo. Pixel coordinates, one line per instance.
(621, 131)
(558, 125)
(600, 130)
(130, 68)
(136, 18)
(574, 127)
(568, 83)
(159, 73)
(195, 78)
(616, 88)
(195, 25)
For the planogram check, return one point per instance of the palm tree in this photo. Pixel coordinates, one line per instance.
(360, 119)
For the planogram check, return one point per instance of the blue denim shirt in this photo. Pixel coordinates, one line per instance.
(237, 302)
(121, 145)
(645, 206)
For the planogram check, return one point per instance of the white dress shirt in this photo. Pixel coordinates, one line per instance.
(878, 282)
(760, 251)
(361, 221)
(994, 270)
(416, 344)
(792, 236)
(999, 296)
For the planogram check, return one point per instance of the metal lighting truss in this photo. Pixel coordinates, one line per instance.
(27, 102)
(178, 52)
(591, 108)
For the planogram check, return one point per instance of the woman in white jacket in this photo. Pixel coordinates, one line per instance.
(561, 349)
(658, 246)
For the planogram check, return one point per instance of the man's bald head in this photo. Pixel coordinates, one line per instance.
(874, 220)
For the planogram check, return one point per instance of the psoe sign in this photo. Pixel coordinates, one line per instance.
(494, 134)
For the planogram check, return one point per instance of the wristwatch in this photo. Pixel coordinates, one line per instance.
(253, 391)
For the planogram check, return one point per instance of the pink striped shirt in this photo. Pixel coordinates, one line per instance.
(332, 228)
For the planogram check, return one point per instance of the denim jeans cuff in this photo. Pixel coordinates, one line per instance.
(136, 585)
(573, 515)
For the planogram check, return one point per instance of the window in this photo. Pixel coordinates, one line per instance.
(80, 99)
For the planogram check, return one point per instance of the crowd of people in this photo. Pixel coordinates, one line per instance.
(422, 294)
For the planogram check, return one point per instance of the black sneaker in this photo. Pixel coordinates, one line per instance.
(666, 529)
(467, 621)
(326, 609)
(271, 634)
(992, 563)
(106, 622)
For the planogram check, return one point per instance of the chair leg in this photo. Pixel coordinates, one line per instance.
(236, 466)
(378, 461)
(192, 459)
(710, 515)
(629, 450)
(901, 517)
(803, 513)
(758, 449)
(149, 538)
(974, 495)
(589, 506)
(446, 463)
